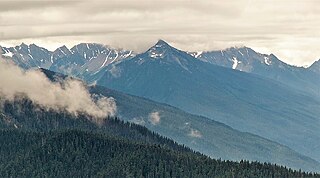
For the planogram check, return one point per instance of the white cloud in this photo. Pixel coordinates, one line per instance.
(195, 133)
(154, 118)
(138, 120)
(115, 71)
(71, 95)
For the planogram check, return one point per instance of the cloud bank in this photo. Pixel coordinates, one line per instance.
(289, 29)
(71, 95)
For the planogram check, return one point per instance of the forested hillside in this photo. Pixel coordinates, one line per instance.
(35, 142)
(24, 115)
(75, 153)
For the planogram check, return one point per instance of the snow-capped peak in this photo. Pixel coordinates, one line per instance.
(159, 49)
(161, 43)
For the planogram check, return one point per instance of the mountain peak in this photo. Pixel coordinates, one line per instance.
(61, 52)
(64, 47)
(23, 45)
(161, 43)
(316, 62)
(315, 66)
(159, 50)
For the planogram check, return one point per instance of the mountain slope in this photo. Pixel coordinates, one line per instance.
(241, 100)
(247, 60)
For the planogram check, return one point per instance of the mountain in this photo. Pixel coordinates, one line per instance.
(247, 60)
(244, 101)
(196, 132)
(315, 67)
(28, 56)
(80, 60)
(88, 58)
(61, 52)
(201, 134)
(242, 59)
(76, 153)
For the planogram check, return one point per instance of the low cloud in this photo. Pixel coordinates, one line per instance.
(195, 133)
(70, 95)
(154, 118)
(115, 71)
(138, 121)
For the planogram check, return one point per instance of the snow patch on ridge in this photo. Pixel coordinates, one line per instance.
(8, 54)
(235, 62)
(105, 61)
(267, 60)
(155, 54)
(198, 54)
(30, 56)
(130, 52)
(62, 51)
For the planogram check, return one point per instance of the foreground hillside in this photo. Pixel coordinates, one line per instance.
(37, 142)
(75, 153)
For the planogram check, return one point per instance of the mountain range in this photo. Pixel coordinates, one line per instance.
(85, 59)
(80, 59)
(247, 60)
(244, 101)
(249, 91)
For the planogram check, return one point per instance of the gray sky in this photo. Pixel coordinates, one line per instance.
(288, 28)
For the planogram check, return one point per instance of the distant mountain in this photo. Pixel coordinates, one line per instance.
(201, 134)
(80, 60)
(242, 58)
(247, 60)
(60, 53)
(315, 67)
(88, 58)
(28, 56)
(244, 101)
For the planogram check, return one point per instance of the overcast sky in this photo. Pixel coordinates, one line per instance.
(289, 29)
